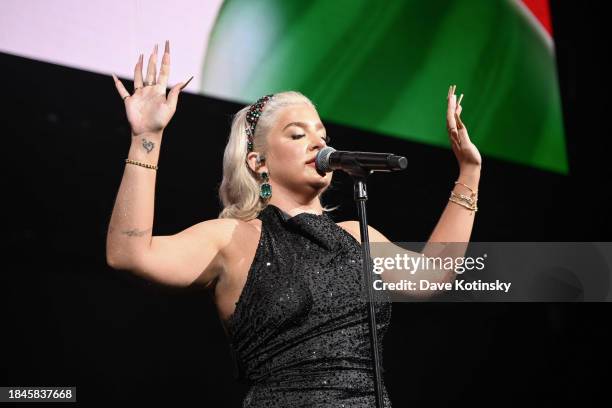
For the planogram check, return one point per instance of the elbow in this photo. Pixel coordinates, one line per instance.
(111, 256)
(121, 257)
(112, 262)
(117, 263)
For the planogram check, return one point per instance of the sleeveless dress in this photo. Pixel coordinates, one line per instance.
(299, 335)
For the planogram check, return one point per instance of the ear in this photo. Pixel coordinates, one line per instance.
(252, 161)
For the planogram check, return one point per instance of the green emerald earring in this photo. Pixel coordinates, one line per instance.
(265, 189)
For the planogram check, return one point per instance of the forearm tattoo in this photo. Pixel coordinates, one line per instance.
(133, 232)
(148, 145)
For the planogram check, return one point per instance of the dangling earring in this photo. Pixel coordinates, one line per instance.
(265, 189)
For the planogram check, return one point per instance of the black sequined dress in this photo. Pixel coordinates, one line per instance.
(299, 335)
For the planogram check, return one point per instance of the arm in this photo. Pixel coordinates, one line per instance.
(392, 250)
(455, 224)
(192, 255)
(131, 224)
(148, 111)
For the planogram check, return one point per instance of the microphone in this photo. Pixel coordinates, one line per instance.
(329, 159)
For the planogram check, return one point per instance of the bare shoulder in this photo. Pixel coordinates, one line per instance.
(237, 232)
(230, 234)
(223, 230)
(352, 227)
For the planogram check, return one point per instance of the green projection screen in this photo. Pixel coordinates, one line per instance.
(385, 67)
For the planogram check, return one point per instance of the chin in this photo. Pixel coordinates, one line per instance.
(321, 183)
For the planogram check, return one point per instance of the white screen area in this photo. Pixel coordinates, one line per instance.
(107, 36)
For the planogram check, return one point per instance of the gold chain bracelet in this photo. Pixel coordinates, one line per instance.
(468, 187)
(148, 166)
(469, 207)
(463, 200)
(470, 200)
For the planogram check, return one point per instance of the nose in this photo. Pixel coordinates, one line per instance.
(316, 143)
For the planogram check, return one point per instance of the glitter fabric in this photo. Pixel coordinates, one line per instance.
(299, 335)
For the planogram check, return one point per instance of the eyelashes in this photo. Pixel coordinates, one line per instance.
(296, 137)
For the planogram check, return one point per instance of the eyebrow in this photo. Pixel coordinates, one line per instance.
(304, 125)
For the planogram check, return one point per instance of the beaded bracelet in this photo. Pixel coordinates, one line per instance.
(148, 166)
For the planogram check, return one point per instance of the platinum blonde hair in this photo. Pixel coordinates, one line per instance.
(239, 190)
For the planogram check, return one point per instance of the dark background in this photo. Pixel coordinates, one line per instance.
(69, 319)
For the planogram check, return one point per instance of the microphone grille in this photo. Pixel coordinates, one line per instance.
(322, 159)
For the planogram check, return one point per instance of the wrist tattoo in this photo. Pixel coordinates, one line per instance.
(148, 145)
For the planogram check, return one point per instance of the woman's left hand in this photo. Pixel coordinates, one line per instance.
(466, 152)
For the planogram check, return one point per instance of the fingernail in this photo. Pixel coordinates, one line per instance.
(459, 123)
(167, 48)
(182, 87)
(155, 49)
(141, 57)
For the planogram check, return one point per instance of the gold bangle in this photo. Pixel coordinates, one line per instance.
(148, 166)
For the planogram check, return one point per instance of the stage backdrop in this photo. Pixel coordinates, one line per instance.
(383, 67)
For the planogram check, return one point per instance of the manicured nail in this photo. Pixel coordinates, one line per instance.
(460, 98)
(458, 119)
(182, 87)
(167, 48)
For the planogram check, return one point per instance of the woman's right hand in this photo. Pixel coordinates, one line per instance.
(148, 110)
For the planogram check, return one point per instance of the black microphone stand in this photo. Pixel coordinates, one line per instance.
(360, 195)
(359, 165)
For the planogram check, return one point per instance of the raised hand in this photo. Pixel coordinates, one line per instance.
(148, 109)
(466, 152)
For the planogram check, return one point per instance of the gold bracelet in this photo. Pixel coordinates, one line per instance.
(470, 205)
(470, 200)
(466, 186)
(463, 205)
(148, 166)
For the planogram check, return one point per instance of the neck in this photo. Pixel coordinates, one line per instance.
(294, 205)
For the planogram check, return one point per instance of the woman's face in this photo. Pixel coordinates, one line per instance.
(292, 145)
